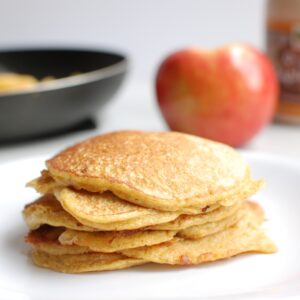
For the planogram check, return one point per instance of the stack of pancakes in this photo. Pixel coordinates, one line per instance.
(128, 198)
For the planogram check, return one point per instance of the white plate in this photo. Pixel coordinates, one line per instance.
(254, 276)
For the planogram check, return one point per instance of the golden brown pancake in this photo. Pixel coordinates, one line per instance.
(94, 209)
(46, 239)
(44, 184)
(161, 170)
(115, 241)
(88, 262)
(49, 253)
(185, 221)
(245, 236)
(197, 232)
(97, 210)
(47, 210)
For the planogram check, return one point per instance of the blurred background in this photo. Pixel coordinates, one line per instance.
(145, 31)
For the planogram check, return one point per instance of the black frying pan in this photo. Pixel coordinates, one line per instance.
(63, 102)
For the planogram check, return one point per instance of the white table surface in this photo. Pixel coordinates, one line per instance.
(134, 107)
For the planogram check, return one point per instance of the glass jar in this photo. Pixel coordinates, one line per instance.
(283, 46)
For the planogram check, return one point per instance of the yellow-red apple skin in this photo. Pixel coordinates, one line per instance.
(227, 94)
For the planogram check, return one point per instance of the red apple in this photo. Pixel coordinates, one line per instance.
(226, 94)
